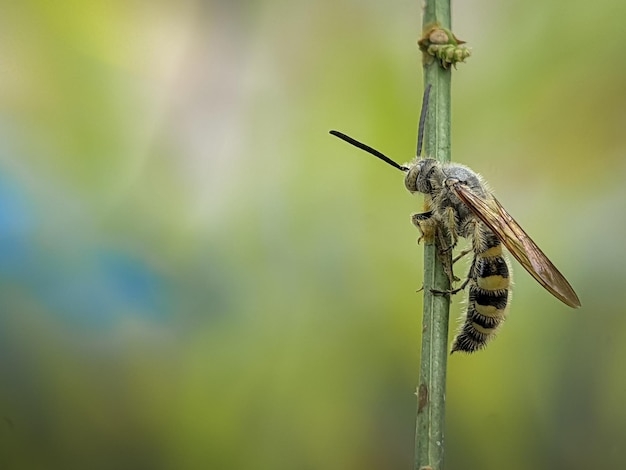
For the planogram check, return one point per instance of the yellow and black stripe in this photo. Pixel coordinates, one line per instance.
(488, 282)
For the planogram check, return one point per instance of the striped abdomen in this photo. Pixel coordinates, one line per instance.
(488, 283)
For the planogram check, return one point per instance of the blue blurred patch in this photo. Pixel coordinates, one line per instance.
(133, 283)
(73, 277)
(104, 288)
(16, 222)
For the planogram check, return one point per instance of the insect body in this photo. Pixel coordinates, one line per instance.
(488, 279)
(462, 205)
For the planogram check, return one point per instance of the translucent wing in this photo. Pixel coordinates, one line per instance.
(521, 246)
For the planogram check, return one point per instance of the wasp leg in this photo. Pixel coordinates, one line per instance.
(426, 224)
(445, 258)
(461, 255)
(429, 229)
(447, 268)
(452, 291)
(451, 216)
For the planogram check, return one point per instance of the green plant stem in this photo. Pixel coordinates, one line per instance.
(429, 439)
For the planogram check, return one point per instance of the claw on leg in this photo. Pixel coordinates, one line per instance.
(426, 225)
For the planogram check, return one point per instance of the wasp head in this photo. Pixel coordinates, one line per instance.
(420, 176)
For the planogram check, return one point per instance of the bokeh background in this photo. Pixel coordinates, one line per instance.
(195, 275)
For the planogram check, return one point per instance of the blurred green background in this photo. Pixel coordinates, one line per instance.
(194, 274)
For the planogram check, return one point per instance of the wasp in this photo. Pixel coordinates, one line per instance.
(461, 204)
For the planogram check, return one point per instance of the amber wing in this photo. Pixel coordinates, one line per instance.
(521, 246)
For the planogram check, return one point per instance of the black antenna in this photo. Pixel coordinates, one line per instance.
(368, 149)
(420, 130)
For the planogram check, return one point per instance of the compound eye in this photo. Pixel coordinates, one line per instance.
(410, 180)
